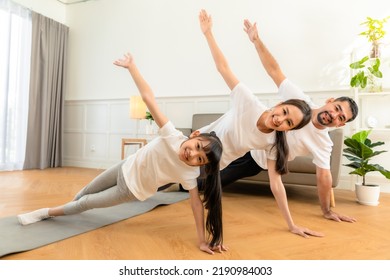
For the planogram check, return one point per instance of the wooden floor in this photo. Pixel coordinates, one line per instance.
(253, 226)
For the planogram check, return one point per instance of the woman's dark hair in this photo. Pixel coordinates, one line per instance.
(212, 195)
(281, 145)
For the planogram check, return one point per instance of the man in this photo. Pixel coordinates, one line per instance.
(311, 139)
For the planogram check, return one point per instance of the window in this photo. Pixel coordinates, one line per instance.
(15, 49)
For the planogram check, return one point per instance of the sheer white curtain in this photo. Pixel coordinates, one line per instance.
(15, 52)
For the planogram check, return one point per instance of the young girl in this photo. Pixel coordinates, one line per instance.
(171, 157)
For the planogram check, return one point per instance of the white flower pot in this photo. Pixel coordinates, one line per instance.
(367, 195)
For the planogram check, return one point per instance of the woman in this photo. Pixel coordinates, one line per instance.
(249, 125)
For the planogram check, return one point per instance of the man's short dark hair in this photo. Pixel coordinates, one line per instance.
(352, 104)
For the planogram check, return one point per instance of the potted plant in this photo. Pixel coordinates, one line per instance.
(368, 66)
(359, 151)
(149, 127)
(374, 33)
(369, 71)
(149, 117)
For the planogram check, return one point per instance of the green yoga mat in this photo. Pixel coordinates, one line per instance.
(16, 238)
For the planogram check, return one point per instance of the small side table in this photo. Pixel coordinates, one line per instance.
(132, 141)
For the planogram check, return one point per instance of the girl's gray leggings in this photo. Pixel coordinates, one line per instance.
(107, 189)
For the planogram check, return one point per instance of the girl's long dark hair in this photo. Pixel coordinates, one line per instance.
(212, 195)
(282, 149)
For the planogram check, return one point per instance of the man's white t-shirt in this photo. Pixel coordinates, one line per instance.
(158, 164)
(308, 140)
(237, 128)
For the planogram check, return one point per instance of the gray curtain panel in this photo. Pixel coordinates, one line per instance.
(47, 90)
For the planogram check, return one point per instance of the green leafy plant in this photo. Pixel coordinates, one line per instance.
(149, 117)
(367, 72)
(375, 29)
(369, 65)
(359, 152)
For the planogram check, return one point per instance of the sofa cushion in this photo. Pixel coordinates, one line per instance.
(201, 120)
(186, 131)
(302, 165)
(290, 179)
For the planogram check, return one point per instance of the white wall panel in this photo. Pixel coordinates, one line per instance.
(114, 146)
(217, 106)
(180, 112)
(73, 146)
(74, 117)
(119, 118)
(96, 146)
(96, 117)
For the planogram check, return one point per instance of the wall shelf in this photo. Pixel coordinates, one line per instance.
(373, 111)
(368, 94)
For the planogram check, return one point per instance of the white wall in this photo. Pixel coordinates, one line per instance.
(312, 41)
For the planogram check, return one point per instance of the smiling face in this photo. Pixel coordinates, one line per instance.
(192, 151)
(283, 117)
(333, 113)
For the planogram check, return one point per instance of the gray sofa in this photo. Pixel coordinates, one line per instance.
(302, 171)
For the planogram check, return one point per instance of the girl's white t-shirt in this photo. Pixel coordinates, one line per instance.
(237, 128)
(158, 163)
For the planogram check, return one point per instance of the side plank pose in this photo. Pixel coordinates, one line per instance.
(249, 124)
(312, 139)
(171, 157)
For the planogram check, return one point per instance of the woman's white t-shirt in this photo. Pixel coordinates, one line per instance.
(237, 128)
(157, 164)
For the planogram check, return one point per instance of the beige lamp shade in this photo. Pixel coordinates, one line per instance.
(137, 107)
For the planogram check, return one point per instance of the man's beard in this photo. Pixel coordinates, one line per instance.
(326, 120)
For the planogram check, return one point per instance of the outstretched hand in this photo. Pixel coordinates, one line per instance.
(305, 232)
(126, 61)
(330, 215)
(206, 22)
(251, 30)
(211, 249)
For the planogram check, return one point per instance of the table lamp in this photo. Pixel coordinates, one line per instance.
(137, 109)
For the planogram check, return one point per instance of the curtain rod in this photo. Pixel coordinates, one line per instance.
(75, 2)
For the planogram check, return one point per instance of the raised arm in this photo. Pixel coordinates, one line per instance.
(221, 63)
(143, 87)
(279, 193)
(269, 62)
